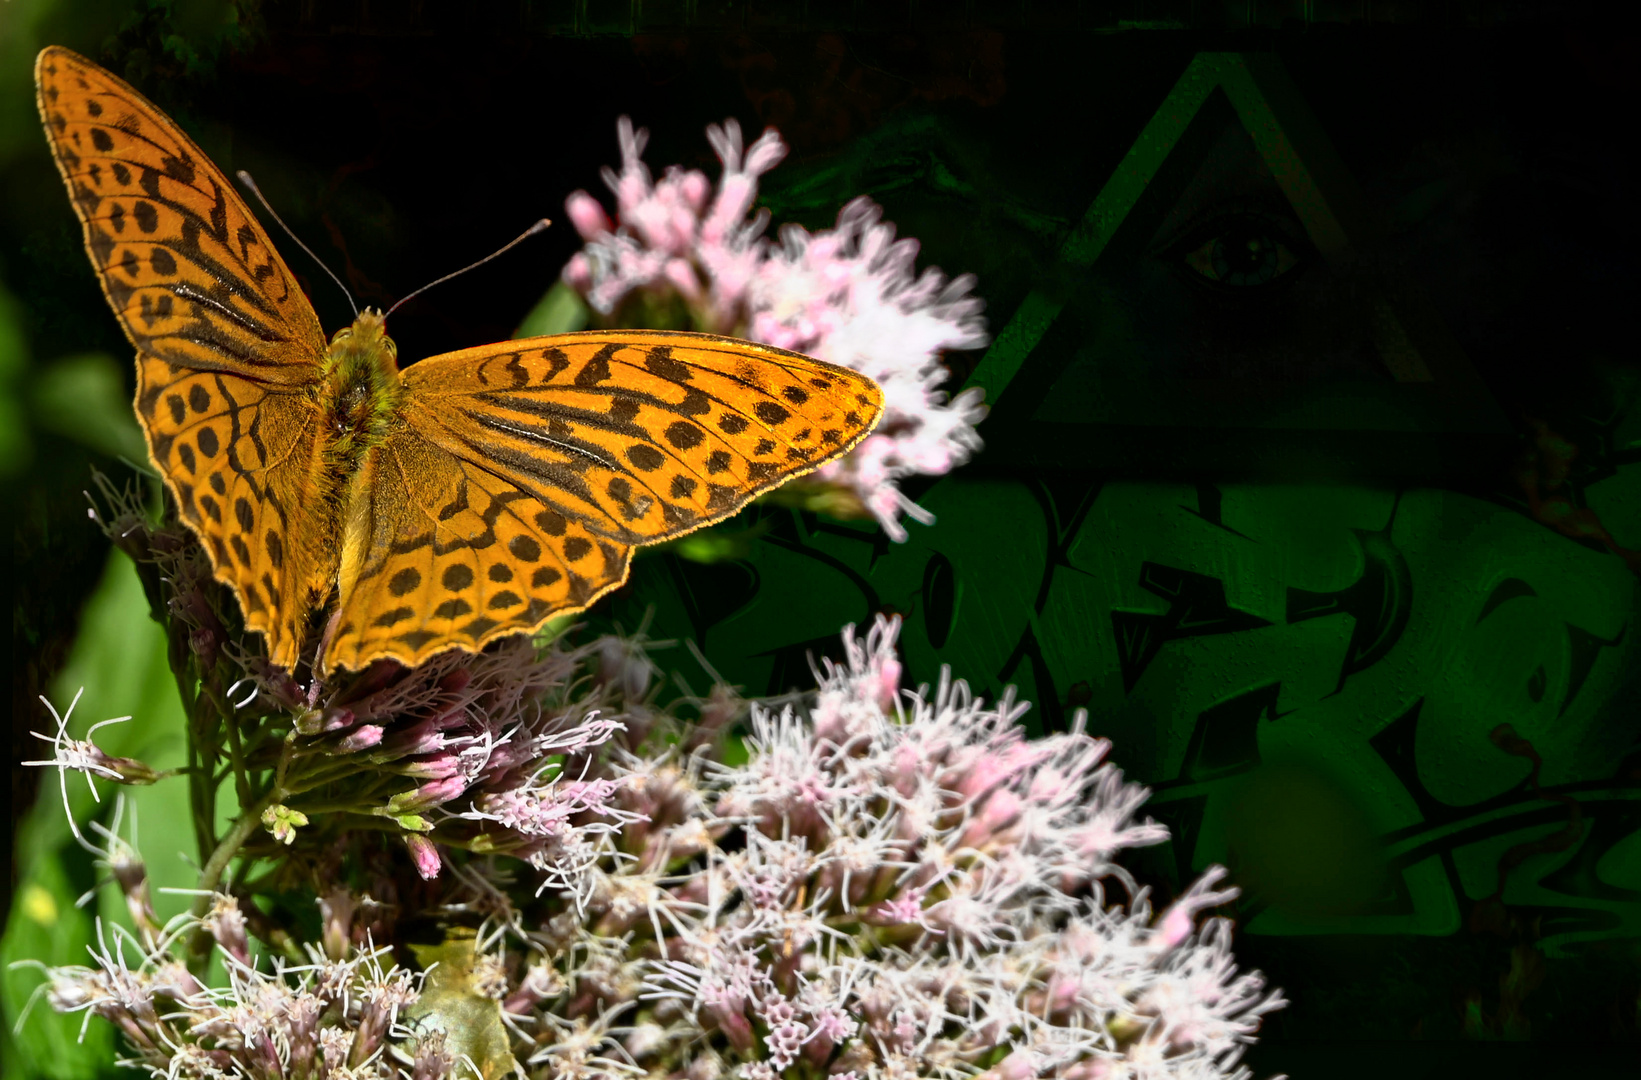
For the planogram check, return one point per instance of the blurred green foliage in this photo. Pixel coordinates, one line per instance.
(120, 661)
(560, 311)
(80, 397)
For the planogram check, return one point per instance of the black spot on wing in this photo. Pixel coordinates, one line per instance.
(684, 435)
(597, 369)
(720, 497)
(659, 361)
(645, 457)
(479, 627)
(404, 581)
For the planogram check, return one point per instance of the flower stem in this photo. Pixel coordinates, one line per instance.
(217, 865)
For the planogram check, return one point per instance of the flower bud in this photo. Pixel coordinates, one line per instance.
(706, 1065)
(1000, 810)
(587, 215)
(131, 875)
(542, 982)
(302, 1032)
(432, 1061)
(283, 821)
(226, 924)
(362, 737)
(335, 718)
(646, 1039)
(426, 797)
(735, 1027)
(205, 642)
(425, 854)
(434, 767)
(336, 910)
(424, 737)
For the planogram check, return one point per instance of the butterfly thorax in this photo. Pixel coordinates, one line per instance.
(360, 389)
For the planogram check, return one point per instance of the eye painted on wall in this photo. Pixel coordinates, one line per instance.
(1243, 253)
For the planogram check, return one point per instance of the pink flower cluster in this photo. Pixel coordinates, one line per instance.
(886, 884)
(849, 295)
(916, 889)
(334, 1016)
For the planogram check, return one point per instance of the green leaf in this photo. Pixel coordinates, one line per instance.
(561, 311)
(83, 397)
(46, 928)
(120, 660)
(472, 1022)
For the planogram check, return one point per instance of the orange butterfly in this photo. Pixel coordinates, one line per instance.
(469, 496)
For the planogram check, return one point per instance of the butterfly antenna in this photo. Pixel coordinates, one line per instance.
(245, 178)
(523, 236)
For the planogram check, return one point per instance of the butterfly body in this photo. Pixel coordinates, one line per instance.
(443, 505)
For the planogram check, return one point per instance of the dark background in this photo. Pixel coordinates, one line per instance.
(402, 140)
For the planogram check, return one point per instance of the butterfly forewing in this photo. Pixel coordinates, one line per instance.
(243, 460)
(641, 434)
(187, 269)
(226, 343)
(525, 471)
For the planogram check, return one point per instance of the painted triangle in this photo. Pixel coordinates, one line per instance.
(1224, 308)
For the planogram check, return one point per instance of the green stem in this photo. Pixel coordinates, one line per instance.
(236, 751)
(217, 865)
(201, 782)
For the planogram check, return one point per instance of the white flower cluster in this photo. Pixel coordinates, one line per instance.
(918, 892)
(891, 885)
(335, 1016)
(849, 295)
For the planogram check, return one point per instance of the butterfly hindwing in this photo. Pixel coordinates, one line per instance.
(187, 269)
(441, 552)
(243, 460)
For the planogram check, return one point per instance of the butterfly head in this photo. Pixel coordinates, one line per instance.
(367, 335)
